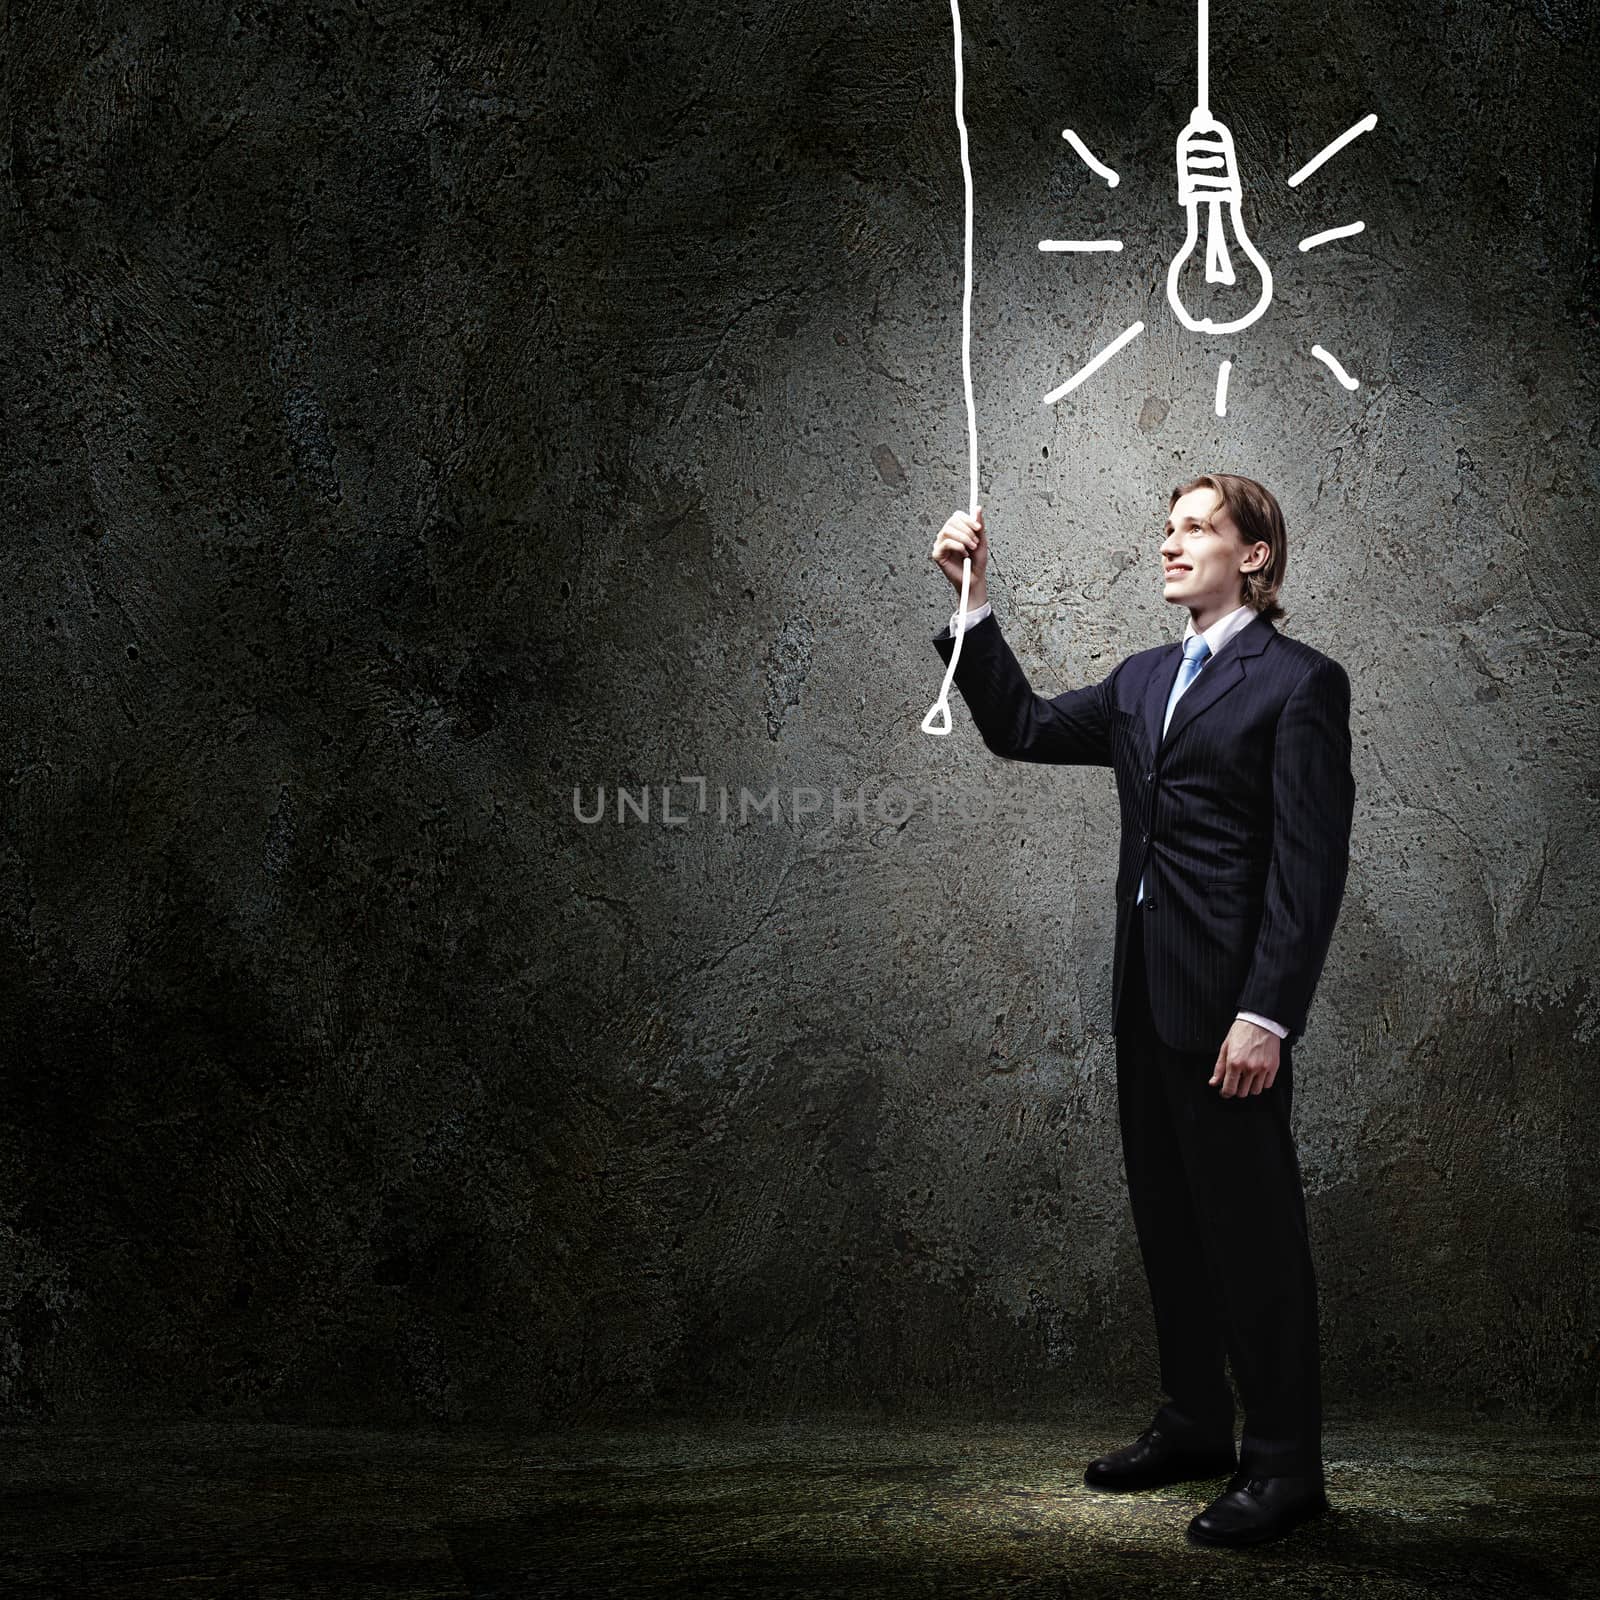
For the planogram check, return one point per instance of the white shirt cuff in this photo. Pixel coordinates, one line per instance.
(973, 618)
(1250, 1016)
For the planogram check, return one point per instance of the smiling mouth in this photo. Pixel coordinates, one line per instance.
(1172, 572)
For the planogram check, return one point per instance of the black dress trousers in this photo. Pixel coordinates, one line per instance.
(1219, 1210)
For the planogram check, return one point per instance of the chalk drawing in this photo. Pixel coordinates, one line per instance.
(1334, 367)
(1208, 176)
(937, 720)
(1365, 125)
(1330, 234)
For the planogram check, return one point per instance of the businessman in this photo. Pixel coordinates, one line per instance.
(1232, 759)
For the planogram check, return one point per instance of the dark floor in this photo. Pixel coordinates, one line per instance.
(838, 1506)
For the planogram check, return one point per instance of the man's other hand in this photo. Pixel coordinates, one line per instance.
(1248, 1060)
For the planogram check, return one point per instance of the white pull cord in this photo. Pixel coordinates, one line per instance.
(937, 720)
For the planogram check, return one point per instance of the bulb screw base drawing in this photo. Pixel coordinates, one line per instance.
(1207, 166)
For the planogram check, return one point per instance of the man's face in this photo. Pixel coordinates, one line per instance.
(1203, 563)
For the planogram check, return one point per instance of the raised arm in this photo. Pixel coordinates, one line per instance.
(1071, 729)
(1313, 803)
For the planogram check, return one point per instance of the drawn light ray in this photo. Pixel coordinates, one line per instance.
(1099, 167)
(1127, 336)
(1334, 367)
(1365, 125)
(1080, 244)
(1330, 234)
(1222, 388)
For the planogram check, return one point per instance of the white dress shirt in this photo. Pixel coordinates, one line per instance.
(1217, 635)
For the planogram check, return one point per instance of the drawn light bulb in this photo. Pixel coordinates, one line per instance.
(1209, 184)
(1208, 181)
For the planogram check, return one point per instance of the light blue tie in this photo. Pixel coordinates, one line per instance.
(1195, 651)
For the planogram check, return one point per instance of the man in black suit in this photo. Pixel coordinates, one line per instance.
(1232, 761)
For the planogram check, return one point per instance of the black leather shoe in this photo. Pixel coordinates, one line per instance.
(1153, 1459)
(1254, 1510)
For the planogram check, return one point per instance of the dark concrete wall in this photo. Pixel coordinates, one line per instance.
(413, 412)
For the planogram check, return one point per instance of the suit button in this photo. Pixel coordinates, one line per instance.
(1150, 777)
(1144, 838)
(1149, 904)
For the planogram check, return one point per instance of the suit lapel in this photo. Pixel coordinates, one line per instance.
(1157, 690)
(1220, 674)
(1215, 679)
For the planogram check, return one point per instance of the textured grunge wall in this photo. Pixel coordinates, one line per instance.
(415, 412)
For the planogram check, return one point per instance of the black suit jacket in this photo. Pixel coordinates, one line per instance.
(1238, 819)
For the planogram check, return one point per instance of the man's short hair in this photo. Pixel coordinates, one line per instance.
(1259, 518)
